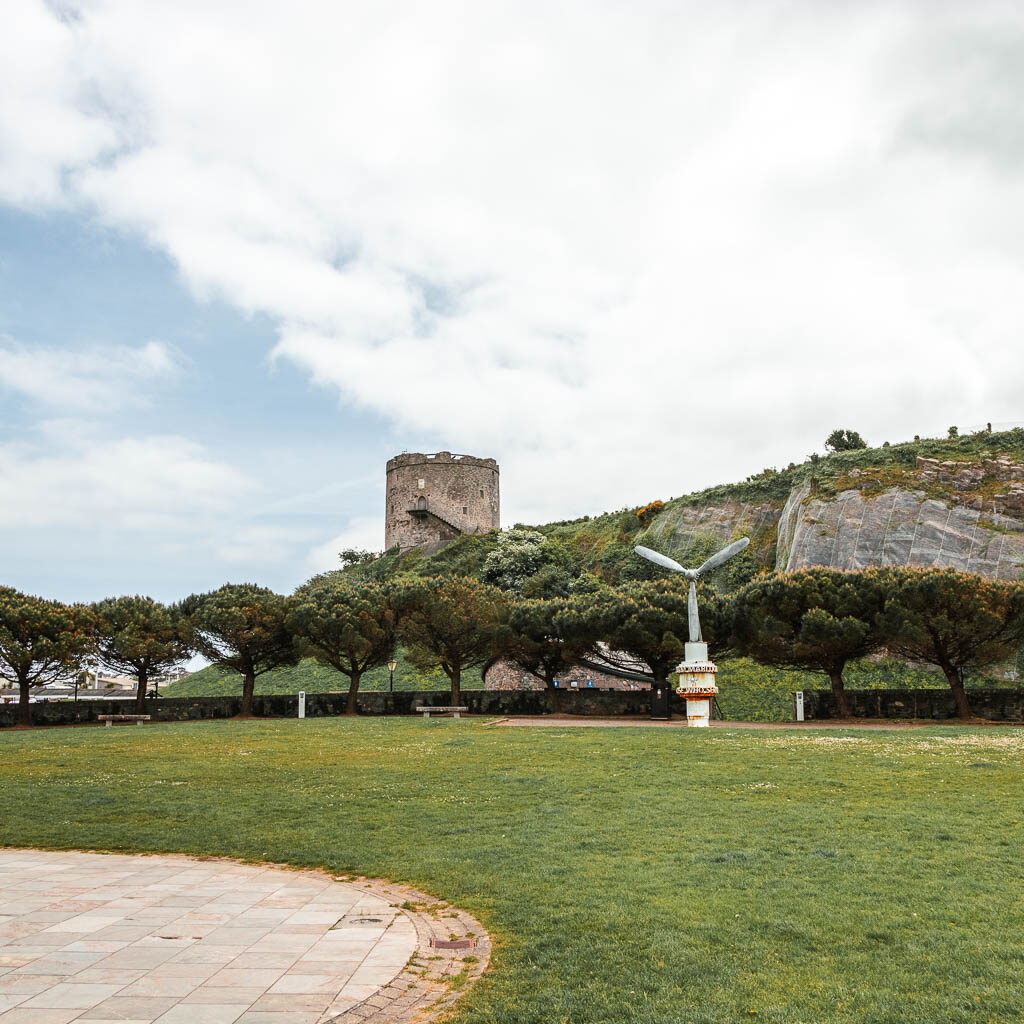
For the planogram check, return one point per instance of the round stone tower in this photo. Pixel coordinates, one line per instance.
(432, 499)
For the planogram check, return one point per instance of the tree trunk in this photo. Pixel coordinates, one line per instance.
(839, 692)
(248, 685)
(24, 707)
(140, 693)
(456, 685)
(963, 708)
(353, 692)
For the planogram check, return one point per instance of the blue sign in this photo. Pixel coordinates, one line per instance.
(557, 683)
(590, 683)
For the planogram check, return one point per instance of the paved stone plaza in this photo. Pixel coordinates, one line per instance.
(174, 940)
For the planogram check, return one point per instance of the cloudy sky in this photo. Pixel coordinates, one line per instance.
(249, 251)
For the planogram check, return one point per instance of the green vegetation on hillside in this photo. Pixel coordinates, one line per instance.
(574, 559)
(603, 544)
(313, 677)
(649, 876)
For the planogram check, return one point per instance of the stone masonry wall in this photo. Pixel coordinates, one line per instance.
(992, 705)
(461, 490)
(371, 702)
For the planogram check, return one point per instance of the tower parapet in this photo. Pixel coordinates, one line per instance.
(433, 499)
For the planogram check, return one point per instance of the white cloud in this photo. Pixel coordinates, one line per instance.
(262, 545)
(161, 484)
(628, 250)
(365, 533)
(101, 378)
(45, 124)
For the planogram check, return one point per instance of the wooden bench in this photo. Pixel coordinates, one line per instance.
(111, 719)
(456, 712)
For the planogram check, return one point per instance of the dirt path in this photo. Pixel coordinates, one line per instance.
(680, 723)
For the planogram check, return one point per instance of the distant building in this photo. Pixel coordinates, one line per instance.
(105, 682)
(604, 670)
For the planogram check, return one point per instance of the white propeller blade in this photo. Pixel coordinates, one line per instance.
(658, 559)
(723, 556)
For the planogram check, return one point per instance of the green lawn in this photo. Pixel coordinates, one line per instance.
(627, 874)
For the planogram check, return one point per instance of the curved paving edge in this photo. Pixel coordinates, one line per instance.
(452, 951)
(96, 936)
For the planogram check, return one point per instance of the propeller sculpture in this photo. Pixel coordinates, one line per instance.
(693, 575)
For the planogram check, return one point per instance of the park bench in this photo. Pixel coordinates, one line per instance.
(111, 719)
(456, 712)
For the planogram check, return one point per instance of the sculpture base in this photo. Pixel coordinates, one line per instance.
(697, 684)
(698, 712)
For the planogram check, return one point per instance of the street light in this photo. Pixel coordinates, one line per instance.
(392, 665)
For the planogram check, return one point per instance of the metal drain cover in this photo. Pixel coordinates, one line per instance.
(453, 943)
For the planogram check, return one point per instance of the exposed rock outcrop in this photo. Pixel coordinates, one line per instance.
(680, 529)
(964, 514)
(901, 527)
(970, 476)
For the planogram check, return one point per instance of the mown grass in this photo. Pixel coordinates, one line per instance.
(627, 875)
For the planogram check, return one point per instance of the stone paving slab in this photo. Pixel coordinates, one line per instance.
(91, 937)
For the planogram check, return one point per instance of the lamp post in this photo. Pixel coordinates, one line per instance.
(392, 665)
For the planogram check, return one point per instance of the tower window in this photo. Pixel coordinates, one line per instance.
(481, 494)
(464, 510)
(421, 502)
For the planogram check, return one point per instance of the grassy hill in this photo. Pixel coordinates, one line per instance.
(688, 527)
(311, 676)
(602, 545)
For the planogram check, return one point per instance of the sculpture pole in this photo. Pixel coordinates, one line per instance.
(691, 608)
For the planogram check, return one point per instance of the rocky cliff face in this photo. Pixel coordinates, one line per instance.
(964, 514)
(691, 533)
(1002, 479)
(900, 527)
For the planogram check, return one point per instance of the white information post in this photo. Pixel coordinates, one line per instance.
(799, 705)
(302, 703)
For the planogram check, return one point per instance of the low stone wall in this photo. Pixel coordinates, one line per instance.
(994, 705)
(480, 702)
